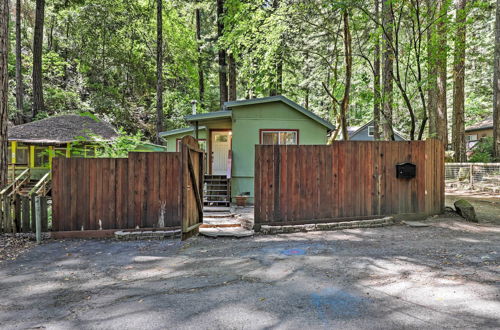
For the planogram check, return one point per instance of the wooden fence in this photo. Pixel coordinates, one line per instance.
(346, 180)
(145, 190)
(18, 213)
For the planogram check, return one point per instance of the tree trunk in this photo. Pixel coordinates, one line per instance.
(344, 106)
(19, 73)
(38, 105)
(496, 88)
(388, 68)
(201, 79)
(441, 68)
(458, 83)
(232, 78)
(376, 78)
(223, 91)
(431, 74)
(159, 70)
(4, 89)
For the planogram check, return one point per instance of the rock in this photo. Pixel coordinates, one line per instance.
(466, 210)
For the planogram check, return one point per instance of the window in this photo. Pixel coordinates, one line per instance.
(22, 154)
(472, 137)
(371, 131)
(201, 142)
(41, 157)
(284, 137)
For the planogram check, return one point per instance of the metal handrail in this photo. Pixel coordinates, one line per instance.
(41, 185)
(229, 169)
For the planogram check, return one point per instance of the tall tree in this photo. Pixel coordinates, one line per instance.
(441, 115)
(38, 104)
(201, 77)
(223, 90)
(431, 71)
(4, 88)
(458, 128)
(496, 87)
(19, 73)
(159, 70)
(376, 76)
(387, 69)
(344, 105)
(232, 78)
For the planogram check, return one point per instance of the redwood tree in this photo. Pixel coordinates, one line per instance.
(222, 55)
(387, 69)
(458, 129)
(159, 70)
(19, 73)
(38, 105)
(376, 77)
(4, 88)
(496, 88)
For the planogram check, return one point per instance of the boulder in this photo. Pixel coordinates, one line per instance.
(466, 210)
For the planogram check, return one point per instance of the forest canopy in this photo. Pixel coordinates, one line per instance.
(398, 61)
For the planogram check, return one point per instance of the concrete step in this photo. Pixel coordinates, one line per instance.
(225, 232)
(216, 209)
(217, 215)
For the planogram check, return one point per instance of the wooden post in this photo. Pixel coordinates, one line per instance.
(196, 130)
(471, 178)
(38, 217)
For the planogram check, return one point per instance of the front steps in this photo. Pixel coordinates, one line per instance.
(217, 191)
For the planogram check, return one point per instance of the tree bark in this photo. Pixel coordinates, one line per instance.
(159, 69)
(344, 106)
(38, 104)
(4, 89)
(223, 90)
(496, 88)
(232, 78)
(441, 68)
(201, 78)
(431, 73)
(458, 128)
(19, 73)
(388, 68)
(376, 77)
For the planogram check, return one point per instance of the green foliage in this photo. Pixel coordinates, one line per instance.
(483, 151)
(121, 146)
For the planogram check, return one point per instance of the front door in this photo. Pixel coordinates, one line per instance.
(221, 144)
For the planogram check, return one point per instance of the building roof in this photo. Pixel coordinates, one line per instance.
(280, 98)
(63, 129)
(209, 115)
(180, 131)
(355, 132)
(484, 124)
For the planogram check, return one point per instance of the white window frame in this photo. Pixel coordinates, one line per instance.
(371, 130)
(295, 131)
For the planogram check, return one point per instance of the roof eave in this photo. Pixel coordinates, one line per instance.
(478, 128)
(209, 116)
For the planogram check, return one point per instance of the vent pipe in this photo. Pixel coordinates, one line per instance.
(193, 107)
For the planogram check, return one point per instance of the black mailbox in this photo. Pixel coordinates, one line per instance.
(406, 170)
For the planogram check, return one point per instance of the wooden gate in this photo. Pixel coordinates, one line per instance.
(147, 190)
(192, 187)
(348, 180)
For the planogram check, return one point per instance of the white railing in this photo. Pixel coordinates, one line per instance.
(473, 176)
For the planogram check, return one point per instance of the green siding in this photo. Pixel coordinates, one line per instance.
(249, 120)
(172, 139)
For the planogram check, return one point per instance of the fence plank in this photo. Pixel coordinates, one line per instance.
(346, 180)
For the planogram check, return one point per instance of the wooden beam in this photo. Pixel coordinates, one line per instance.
(195, 185)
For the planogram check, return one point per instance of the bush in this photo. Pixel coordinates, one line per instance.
(483, 151)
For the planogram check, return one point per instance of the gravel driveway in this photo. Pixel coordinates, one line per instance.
(442, 276)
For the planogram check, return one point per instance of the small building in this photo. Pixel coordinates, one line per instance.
(366, 133)
(229, 136)
(33, 145)
(478, 131)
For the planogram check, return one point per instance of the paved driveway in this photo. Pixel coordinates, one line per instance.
(442, 276)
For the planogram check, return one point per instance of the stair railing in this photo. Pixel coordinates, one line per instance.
(229, 169)
(42, 187)
(17, 183)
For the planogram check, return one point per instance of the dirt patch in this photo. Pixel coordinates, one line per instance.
(487, 206)
(11, 246)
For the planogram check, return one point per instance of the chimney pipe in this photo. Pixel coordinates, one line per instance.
(193, 107)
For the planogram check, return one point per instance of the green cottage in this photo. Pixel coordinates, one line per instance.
(229, 137)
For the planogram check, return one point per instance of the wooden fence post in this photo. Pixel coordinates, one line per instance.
(38, 217)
